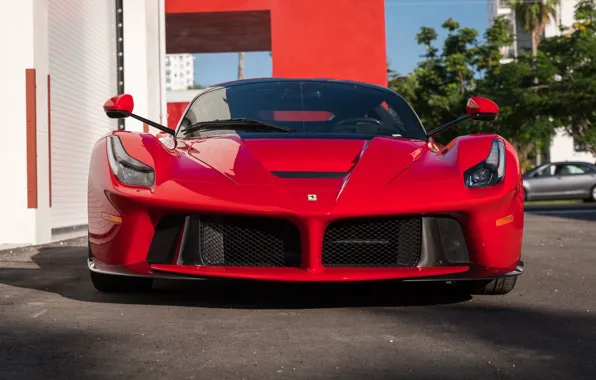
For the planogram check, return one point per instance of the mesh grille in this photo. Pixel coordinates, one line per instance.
(259, 242)
(453, 240)
(378, 242)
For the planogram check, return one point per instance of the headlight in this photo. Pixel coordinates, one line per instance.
(490, 171)
(127, 169)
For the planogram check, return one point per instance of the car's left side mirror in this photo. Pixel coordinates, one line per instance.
(119, 106)
(482, 109)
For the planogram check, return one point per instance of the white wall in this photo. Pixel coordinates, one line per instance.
(182, 96)
(562, 146)
(82, 56)
(142, 65)
(562, 149)
(25, 19)
(74, 42)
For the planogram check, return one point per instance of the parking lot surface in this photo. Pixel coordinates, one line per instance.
(54, 324)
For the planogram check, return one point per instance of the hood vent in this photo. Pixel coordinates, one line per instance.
(309, 175)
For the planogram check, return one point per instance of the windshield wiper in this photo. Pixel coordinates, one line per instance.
(220, 124)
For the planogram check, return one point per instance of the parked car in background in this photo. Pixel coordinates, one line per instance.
(561, 181)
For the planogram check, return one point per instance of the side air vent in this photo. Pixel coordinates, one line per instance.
(165, 240)
(453, 240)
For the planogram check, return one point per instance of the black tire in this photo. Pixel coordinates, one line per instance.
(525, 195)
(498, 286)
(108, 283)
(592, 197)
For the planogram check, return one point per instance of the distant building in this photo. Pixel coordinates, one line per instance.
(566, 148)
(563, 147)
(522, 42)
(180, 71)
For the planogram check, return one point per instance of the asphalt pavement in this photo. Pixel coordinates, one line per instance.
(53, 324)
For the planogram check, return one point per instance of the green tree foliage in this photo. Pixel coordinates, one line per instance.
(571, 95)
(536, 94)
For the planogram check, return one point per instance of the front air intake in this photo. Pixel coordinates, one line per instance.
(373, 242)
(240, 242)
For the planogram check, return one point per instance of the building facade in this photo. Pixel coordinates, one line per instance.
(563, 147)
(523, 42)
(180, 71)
(72, 55)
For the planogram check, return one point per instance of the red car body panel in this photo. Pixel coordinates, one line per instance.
(229, 175)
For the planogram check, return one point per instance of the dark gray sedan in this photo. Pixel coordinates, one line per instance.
(561, 181)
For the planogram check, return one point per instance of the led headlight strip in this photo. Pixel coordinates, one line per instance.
(489, 172)
(127, 169)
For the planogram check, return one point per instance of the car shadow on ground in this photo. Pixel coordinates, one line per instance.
(493, 343)
(541, 342)
(62, 270)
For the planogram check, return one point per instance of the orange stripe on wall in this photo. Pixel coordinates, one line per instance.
(31, 96)
(49, 141)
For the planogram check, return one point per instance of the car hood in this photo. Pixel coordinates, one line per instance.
(328, 163)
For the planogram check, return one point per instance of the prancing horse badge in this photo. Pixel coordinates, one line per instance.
(312, 197)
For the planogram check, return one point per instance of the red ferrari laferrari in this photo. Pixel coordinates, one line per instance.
(304, 180)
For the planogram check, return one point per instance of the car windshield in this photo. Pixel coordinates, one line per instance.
(311, 107)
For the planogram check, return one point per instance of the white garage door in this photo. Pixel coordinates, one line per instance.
(82, 50)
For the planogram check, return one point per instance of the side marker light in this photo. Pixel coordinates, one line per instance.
(506, 220)
(111, 218)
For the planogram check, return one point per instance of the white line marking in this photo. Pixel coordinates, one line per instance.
(35, 315)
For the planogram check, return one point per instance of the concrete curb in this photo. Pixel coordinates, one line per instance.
(76, 241)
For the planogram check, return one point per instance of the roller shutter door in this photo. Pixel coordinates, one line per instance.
(82, 51)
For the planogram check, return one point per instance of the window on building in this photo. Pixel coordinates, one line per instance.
(579, 146)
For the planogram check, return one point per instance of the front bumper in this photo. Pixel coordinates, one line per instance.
(179, 272)
(191, 246)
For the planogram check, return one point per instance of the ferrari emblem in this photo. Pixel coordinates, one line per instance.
(312, 197)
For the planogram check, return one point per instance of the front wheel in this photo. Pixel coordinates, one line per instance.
(498, 286)
(109, 283)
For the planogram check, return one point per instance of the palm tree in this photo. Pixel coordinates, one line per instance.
(534, 15)
(241, 65)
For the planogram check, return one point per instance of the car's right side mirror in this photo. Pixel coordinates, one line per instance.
(482, 109)
(478, 108)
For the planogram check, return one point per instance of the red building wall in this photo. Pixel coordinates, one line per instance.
(338, 39)
(175, 112)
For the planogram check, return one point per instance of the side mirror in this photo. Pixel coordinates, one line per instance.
(478, 108)
(119, 106)
(482, 109)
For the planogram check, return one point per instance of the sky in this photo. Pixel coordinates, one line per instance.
(403, 19)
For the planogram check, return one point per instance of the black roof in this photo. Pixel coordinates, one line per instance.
(319, 80)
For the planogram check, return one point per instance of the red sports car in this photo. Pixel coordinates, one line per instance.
(304, 180)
